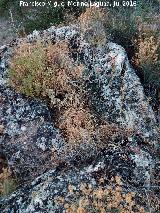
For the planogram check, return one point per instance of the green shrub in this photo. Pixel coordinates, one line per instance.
(25, 69)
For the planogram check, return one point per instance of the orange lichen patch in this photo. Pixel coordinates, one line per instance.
(141, 210)
(87, 190)
(99, 193)
(83, 202)
(59, 200)
(70, 188)
(128, 198)
(70, 209)
(104, 199)
(118, 180)
(80, 210)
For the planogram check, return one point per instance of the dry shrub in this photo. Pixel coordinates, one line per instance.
(78, 124)
(147, 51)
(47, 72)
(43, 70)
(147, 60)
(91, 24)
(7, 183)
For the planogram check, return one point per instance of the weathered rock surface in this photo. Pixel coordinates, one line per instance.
(122, 98)
(30, 137)
(43, 193)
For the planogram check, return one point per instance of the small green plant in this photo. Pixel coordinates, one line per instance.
(28, 65)
(7, 183)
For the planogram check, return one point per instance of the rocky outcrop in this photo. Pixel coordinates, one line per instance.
(122, 98)
(63, 185)
(30, 137)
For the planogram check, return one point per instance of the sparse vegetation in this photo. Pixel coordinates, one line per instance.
(7, 183)
(40, 69)
(92, 26)
(147, 59)
(45, 71)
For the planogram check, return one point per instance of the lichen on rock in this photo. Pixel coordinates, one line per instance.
(36, 148)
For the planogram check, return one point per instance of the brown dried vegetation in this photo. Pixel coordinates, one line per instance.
(46, 71)
(91, 24)
(147, 59)
(78, 124)
(147, 50)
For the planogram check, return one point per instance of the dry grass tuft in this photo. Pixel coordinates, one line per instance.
(78, 124)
